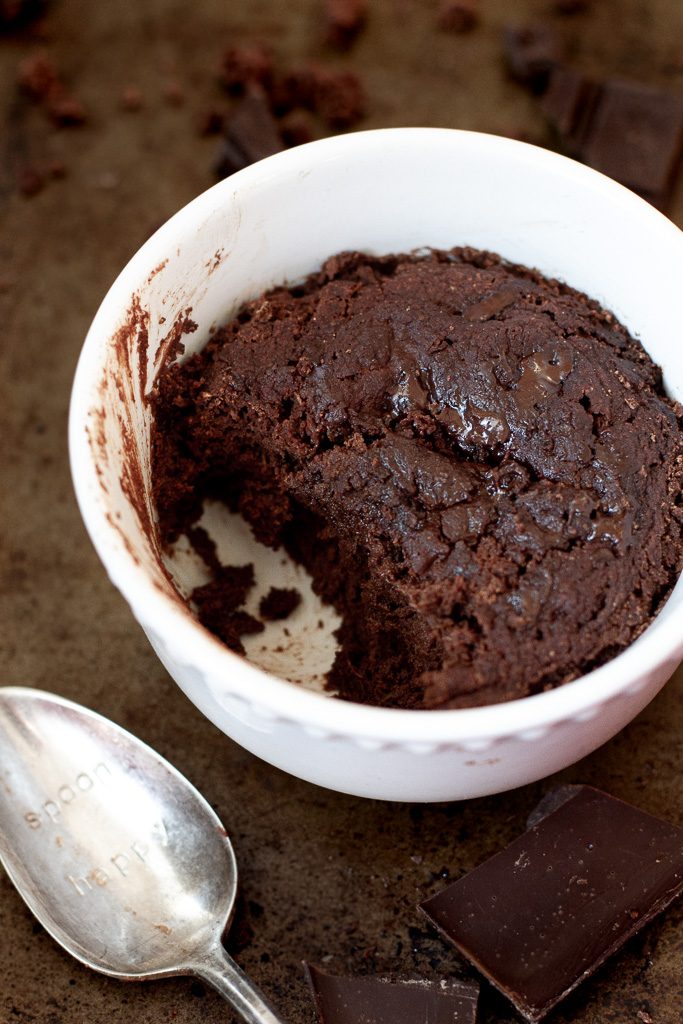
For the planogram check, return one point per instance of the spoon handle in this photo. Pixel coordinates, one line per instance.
(221, 971)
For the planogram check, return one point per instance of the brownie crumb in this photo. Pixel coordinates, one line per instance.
(244, 67)
(338, 97)
(131, 99)
(39, 78)
(344, 20)
(30, 181)
(205, 547)
(173, 93)
(279, 603)
(218, 601)
(458, 16)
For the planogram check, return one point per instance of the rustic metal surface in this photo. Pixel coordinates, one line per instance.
(330, 878)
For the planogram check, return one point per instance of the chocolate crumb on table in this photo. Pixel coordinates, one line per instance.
(542, 915)
(279, 603)
(338, 97)
(458, 16)
(367, 999)
(246, 66)
(39, 78)
(343, 22)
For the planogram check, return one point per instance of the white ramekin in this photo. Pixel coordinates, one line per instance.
(381, 191)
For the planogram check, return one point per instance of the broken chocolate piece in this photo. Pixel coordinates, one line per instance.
(371, 1000)
(542, 915)
(531, 52)
(636, 136)
(458, 16)
(344, 20)
(251, 134)
(568, 103)
(279, 603)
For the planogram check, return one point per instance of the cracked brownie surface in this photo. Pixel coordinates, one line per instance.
(478, 466)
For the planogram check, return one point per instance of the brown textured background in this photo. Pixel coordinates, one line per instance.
(326, 877)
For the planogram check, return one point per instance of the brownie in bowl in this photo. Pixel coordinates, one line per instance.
(478, 466)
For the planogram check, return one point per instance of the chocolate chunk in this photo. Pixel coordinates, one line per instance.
(542, 915)
(531, 52)
(372, 1000)
(458, 16)
(552, 800)
(636, 136)
(279, 603)
(568, 103)
(251, 134)
(344, 20)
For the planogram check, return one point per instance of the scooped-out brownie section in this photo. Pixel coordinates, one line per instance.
(478, 466)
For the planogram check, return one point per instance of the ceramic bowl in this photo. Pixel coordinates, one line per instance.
(383, 191)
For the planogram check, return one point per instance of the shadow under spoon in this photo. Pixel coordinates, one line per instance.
(115, 852)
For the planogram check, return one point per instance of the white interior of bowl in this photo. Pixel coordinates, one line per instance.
(381, 192)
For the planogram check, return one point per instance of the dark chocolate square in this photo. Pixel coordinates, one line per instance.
(542, 915)
(636, 135)
(374, 1000)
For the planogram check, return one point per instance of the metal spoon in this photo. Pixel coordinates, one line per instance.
(114, 851)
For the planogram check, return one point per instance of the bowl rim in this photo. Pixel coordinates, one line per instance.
(189, 643)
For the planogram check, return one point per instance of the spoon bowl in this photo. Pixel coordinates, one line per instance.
(119, 857)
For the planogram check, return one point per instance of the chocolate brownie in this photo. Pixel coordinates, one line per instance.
(478, 466)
